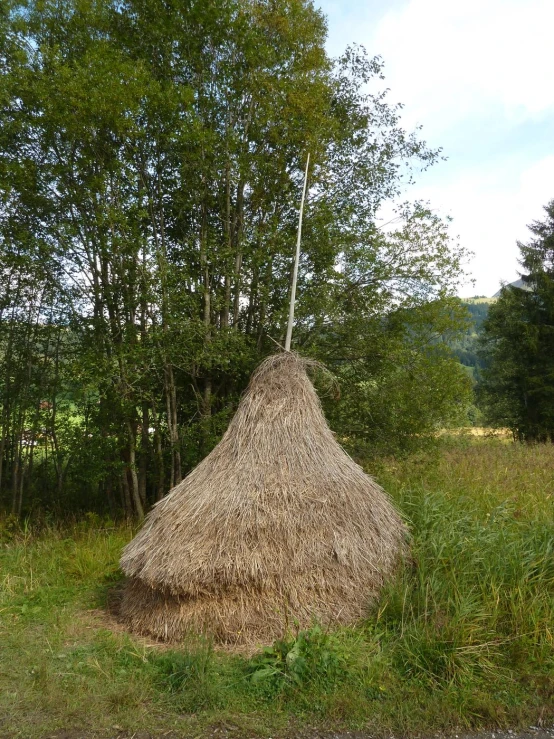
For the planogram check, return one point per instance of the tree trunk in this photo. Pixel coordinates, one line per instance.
(127, 503)
(238, 227)
(228, 246)
(158, 447)
(266, 286)
(15, 479)
(172, 424)
(207, 399)
(144, 452)
(137, 503)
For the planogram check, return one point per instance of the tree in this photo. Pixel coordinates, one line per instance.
(518, 343)
(151, 160)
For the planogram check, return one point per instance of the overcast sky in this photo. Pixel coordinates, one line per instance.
(478, 75)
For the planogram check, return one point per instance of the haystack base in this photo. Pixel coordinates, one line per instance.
(235, 618)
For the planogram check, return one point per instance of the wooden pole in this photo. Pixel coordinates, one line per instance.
(296, 260)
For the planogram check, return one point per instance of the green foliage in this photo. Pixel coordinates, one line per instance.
(312, 658)
(402, 383)
(518, 342)
(10, 528)
(151, 161)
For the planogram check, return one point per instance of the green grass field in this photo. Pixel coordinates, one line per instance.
(463, 639)
(479, 301)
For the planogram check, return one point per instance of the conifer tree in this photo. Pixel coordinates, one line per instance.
(518, 387)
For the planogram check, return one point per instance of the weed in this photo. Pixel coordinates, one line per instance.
(313, 657)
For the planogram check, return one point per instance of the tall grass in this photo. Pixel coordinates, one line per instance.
(462, 638)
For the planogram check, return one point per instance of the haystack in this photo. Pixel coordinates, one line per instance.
(276, 527)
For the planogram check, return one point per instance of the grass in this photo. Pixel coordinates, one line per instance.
(463, 639)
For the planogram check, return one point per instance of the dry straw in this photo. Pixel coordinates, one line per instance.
(275, 527)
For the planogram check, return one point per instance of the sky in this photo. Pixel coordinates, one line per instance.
(478, 76)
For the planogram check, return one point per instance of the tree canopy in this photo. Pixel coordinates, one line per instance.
(151, 160)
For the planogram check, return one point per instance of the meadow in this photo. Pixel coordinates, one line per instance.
(462, 639)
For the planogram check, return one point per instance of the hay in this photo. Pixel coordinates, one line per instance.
(277, 525)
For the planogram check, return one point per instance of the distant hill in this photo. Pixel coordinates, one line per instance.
(516, 283)
(466, 347)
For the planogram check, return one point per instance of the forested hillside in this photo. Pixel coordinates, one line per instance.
(150, 169)
(466, 347)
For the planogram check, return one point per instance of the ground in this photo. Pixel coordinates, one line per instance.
(218, 733)
(461, 641)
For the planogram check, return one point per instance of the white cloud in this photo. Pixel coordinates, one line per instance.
(490, 214)
(478, 75)
(450, 60)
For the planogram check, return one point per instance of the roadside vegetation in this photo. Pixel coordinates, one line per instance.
(464, 638)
